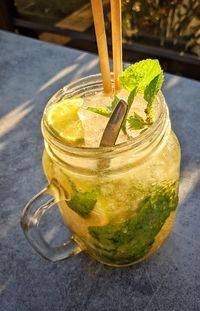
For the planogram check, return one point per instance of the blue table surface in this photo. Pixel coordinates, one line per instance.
(30, 72)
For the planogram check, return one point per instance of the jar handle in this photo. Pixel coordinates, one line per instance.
(30, 220)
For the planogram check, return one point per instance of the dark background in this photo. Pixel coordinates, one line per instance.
(165, 29)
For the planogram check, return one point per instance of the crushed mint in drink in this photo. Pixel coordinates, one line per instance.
(132, 239)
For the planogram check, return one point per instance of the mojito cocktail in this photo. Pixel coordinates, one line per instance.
(113, 173)
(119, 202)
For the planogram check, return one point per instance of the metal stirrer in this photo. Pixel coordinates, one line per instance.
(113, 127)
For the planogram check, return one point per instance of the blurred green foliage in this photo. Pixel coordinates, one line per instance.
(173, 24)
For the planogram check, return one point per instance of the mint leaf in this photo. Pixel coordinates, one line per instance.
(102, 111)
(83, 202)
(150, 93)
(136, 122)
(140, 74)
(106, 112)
(115, 102)
(131, 98)
(153, 88)
(144, 77)
(129, 102)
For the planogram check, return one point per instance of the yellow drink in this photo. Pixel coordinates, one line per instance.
(121, 212)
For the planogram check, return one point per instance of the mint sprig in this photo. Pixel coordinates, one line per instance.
(145, 77)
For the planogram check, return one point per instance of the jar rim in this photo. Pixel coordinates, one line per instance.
(94, 152)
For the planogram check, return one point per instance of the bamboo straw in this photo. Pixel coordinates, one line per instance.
(116, 21)
(97, 9)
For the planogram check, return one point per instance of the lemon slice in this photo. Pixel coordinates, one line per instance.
(63, 118)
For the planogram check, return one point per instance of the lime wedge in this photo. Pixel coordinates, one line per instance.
(63, 118)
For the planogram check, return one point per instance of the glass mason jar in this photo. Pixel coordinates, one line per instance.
(119, 202)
